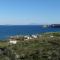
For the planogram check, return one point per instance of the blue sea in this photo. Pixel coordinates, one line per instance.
(6, 31)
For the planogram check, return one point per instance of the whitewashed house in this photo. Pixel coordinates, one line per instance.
(12, 41)
(27, 37)
(34, 36)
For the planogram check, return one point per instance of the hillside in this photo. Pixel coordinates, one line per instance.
(45, 47)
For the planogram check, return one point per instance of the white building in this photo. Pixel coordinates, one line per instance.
(12, 41)
(27, 37)
(34, 36)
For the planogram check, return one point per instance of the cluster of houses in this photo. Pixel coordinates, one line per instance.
(15, 39)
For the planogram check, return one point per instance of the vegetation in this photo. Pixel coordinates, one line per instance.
(42, 48)
(3, 44)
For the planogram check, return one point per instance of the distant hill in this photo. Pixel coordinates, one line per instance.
(34, 24)
(55, 25)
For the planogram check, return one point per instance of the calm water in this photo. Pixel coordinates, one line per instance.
(6, 31)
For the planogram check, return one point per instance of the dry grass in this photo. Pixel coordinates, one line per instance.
(3, 44)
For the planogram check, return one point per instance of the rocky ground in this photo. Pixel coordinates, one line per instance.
(45, 47)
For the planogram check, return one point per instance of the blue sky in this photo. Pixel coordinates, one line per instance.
(22, 12)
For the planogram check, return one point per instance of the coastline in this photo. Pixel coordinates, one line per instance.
(6, 31)
(31, 37)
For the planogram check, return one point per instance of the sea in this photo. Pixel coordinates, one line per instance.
(12, 30)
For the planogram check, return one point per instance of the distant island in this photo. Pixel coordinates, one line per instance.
(52, 25)
(55, 25)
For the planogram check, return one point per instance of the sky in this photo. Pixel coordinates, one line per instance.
(24, 12)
